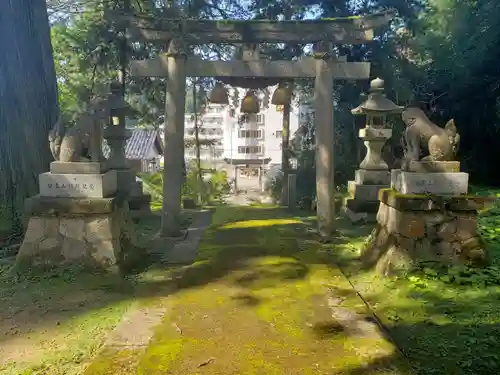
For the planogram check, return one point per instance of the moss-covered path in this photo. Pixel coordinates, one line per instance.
(262, 298)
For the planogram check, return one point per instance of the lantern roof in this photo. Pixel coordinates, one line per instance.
(376, 101)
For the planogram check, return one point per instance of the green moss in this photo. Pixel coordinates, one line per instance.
(70, 315)
(396, 194)
(258, 308)
(161, 354)
(432, 319)
(114, 361)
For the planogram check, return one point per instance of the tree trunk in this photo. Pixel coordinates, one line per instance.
(28, 100)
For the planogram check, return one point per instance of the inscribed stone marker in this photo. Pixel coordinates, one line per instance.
(78, 185)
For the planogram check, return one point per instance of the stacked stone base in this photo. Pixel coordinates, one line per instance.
(95, 232)
(139, 203)
(412, 229)
(362, 205)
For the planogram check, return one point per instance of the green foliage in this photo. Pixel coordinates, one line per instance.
(213, 188)
(445, 320)
(87, 48)
(193, 188)
(153, 183)
(489, 231)
(218, 186)
(457, 275)
(86, 58)
(275, 187)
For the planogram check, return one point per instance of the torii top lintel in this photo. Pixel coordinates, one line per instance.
(348, 30)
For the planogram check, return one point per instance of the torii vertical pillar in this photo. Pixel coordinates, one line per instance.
(285, 156)
(323, 109)
(174, 139)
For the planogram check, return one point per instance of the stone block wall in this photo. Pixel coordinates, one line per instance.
(413, 228)
(97, 233)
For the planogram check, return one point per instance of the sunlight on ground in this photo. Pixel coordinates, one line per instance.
(256, 302)
(259, 223)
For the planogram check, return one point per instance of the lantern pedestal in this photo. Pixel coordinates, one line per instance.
(139, 202)
(372, 176)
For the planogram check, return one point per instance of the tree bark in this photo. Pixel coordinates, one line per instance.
(28, 99)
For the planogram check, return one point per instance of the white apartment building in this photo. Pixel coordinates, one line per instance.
(244, 145)
(210, 132)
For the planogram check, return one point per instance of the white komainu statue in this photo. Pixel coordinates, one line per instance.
(81, 142)
(442, 143)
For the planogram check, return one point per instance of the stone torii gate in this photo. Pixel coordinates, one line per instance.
(178, 34)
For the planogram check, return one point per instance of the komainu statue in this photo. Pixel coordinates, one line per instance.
(83, 141)
(421, 133)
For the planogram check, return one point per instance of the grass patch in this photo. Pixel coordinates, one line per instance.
(257, 300)
(148, 226)
(53, 324)
(56, 322)
(445, 322)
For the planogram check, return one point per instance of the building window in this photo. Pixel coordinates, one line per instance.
(259, 119)
(212, 120)
(279, 134)
(250, 133)
(249, 149)
(211, 131)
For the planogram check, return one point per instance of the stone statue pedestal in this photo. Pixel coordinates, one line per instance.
(372, 176)
(78, 219)
(426, 216)
(448, 183)
(78, 185)
(90, 167)
(415, 228)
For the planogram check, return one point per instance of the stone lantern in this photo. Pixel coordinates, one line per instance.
(373, 173)
(116, 135)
